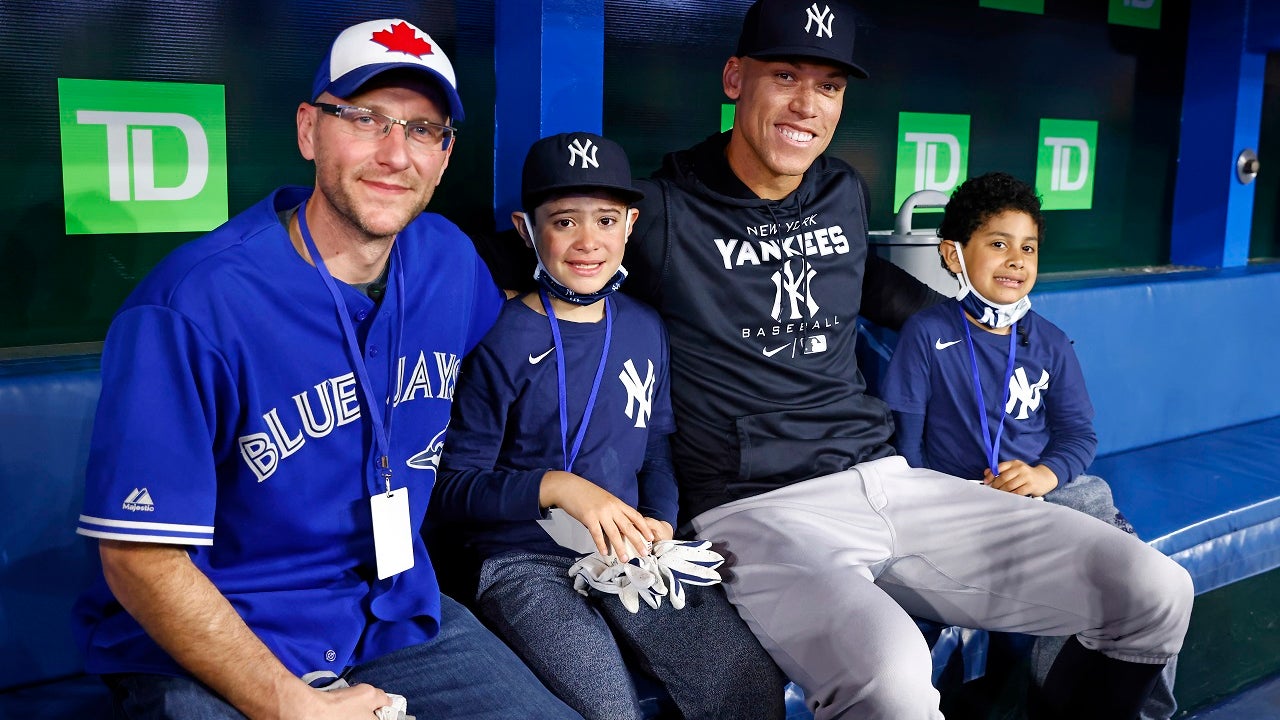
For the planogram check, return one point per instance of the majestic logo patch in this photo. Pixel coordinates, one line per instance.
(639, 392)
(586, 151)
(139, 501)
(821, 18)
(402, 38)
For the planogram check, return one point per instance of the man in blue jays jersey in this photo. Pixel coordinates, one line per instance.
(274, 401)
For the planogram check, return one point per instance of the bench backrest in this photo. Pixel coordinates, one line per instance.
(46, 417)
(1175, 356)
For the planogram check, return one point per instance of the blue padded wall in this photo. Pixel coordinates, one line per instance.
(1215, 334)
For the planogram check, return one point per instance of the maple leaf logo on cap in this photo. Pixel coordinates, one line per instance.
(402, 38)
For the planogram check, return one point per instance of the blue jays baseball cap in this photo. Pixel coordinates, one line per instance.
(575, 161)
(802, 29)
(362, 52)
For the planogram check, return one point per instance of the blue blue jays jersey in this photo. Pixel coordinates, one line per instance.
(1048, 418)
(231, 422)
(506, 423)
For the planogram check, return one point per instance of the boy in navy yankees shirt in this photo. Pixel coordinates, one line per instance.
(983, 388)
(558, 448)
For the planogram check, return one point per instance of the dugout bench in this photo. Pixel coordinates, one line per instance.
(1181, 369)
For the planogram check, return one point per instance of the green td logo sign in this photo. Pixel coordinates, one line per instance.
(933, 154)
(1065, 163)
(140, 157)
(1138, 13)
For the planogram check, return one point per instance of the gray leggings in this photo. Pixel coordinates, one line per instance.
(704, 655)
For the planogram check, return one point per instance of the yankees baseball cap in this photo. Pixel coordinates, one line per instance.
(575, 161)
(800, 28)
(362, 52)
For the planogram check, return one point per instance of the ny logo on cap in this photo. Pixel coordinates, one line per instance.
(822, 17)
(586, 151)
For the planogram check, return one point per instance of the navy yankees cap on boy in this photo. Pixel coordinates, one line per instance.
(800, 28)
(571, 161)
(364, 51)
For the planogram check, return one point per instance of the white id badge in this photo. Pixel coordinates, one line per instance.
(392, 532)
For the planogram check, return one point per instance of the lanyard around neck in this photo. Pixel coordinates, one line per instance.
(990, 444)
(570, 456)
(381, 426)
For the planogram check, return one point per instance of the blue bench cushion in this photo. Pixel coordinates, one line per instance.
(48, 408)
(1175, 356)
(1211, 501)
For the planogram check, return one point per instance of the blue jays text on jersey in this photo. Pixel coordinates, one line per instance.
(334, 402)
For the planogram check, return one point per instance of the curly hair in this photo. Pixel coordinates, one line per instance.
(980, 198)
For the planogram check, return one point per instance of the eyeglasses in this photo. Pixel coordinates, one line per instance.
(369, 125)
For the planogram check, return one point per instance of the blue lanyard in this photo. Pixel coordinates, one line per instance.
(990, 444)
(381, 427)
(569, 457)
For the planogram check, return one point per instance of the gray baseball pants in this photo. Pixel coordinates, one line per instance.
(825, 572)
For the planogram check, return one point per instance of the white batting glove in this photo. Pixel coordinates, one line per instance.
(680, 562)
(631, 581)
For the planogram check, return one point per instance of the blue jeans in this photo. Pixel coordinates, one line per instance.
(465, 672)
(704, 655)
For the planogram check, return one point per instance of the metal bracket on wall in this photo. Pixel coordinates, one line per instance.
(1247, 166)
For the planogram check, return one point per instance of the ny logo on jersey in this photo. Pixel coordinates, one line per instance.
(586, 151)
(795, 286)
(639, 392)
(1020, 391)
(822, 17)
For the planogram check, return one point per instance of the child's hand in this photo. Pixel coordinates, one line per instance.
(1019, 478)
(607, 518)
(662, 529)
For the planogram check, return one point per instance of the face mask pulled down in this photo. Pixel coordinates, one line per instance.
(988, 314)
(557, 289)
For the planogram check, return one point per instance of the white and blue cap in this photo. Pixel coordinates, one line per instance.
(364, 51)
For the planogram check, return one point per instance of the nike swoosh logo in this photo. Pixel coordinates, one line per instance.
(534, 360)
(775, 351)
(939, 345)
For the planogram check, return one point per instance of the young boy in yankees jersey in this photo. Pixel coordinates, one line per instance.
(986, 389)
(564, 408)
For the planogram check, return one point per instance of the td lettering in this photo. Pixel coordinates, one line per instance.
(118, 126)
(1060, 179)
(927, 146)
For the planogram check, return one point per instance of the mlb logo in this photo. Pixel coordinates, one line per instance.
(814, 344)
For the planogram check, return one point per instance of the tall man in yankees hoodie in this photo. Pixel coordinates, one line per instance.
(752, 246)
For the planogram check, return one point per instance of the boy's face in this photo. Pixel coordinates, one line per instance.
(1002, 257)
(580, 238)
